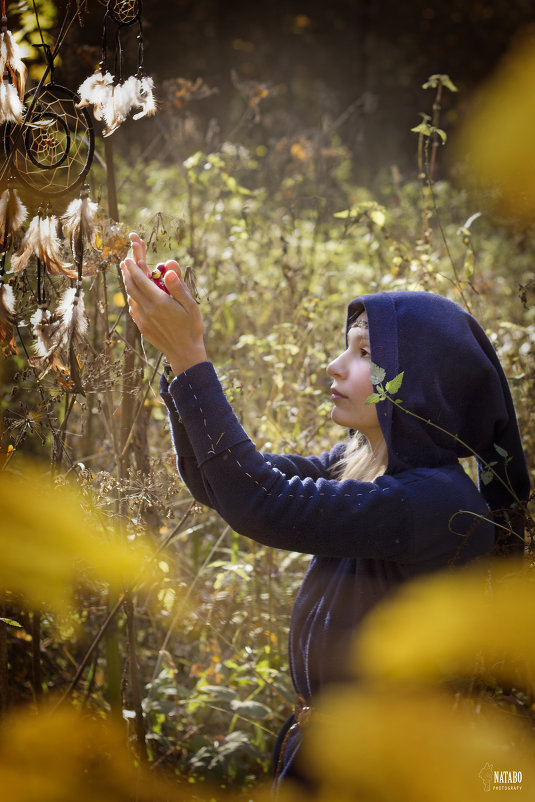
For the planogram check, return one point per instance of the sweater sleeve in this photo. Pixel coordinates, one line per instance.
(186, 460)
(321, 516)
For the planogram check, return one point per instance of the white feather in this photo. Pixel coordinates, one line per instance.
(41, 240)
(144, 98)
(10, 59)
(8, 298)
(11, 108)
(44, 333)
(80, 216)
(73, 320)
(13, 213)
(96, 91)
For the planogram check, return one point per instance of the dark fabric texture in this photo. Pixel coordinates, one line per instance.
(366, 538)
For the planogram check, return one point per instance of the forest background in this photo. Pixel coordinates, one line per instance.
(284, 172)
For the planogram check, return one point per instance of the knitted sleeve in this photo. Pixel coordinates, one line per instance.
(397, 517)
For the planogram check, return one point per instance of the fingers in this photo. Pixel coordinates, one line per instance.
(171, 264)
(139, 252)
(137, 285)
(135, 239)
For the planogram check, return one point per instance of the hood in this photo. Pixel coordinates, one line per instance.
(452, 378)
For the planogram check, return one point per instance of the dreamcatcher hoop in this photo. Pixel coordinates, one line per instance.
(55, 151)
(124, 12)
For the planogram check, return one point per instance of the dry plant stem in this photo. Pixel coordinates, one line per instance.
(463, 444)
(4, 677)
(98, 637)
(140, 408)
(134, 678)
(437, 107)
(69, 404)
(102, 631)
(111, 642)
(36, 655)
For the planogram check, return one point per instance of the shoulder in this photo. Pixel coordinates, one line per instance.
(448, 512)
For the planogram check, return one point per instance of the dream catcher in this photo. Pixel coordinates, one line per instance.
(51, 153)
(113, 96)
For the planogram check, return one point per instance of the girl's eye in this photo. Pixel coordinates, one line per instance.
(364, 353)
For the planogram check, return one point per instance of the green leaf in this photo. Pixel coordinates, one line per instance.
(377, 374)
(501, 451)
(394, 385)
(11, 622)
(250, 709)
(219, 692)
(442, 134)
(374, 398)
(435, 80)
(423, 128)
(487, 476)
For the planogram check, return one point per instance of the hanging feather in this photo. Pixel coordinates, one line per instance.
(44, 330)
(10, 60)
(79, 224)
(72, 329)
(11, 108)
(7, 320)
(41, 240)
(45, 333)
(12, 215)
(144, 97)
(119, 106)
(96, 91)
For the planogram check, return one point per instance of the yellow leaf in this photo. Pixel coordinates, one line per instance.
(386, 744)
(61, 756)
(497, 137)
(46, 538)
(453, 624)
(298, 152)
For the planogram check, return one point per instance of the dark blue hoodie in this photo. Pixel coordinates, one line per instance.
(367, 537)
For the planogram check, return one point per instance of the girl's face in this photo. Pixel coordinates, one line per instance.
(352, 384)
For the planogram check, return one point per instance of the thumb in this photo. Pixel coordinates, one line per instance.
(173, 265)
(177, 288)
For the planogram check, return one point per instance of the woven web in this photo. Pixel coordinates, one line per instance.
(55, 151)
(124, 11)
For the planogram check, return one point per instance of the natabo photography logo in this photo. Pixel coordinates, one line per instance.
(502, 780)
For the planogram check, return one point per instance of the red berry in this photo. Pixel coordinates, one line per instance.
(157, 276)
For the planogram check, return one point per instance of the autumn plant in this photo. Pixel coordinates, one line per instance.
(275, 238)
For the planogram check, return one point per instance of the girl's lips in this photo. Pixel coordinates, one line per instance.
(335, 395)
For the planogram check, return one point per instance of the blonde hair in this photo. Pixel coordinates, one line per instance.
(360, 461)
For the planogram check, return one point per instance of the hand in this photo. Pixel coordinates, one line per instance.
(172, 323)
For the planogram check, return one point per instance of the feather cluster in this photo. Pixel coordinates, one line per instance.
(41, 240)
(13, 213)
(113, 100)
(79, 224)
(64, 330)
(44, 329)
(7, 320)
(13, 84)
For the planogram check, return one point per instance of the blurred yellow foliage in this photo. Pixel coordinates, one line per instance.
(384, 744)
(47, 539)
(471, 622)
(498, 135)
(62, 755)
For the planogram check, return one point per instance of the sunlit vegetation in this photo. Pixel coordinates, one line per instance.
(153, 671)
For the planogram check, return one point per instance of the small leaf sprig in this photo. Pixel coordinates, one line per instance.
(385, 391)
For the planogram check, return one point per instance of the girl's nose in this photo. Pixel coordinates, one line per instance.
(336, 368)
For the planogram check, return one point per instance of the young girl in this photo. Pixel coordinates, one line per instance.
(387, 504)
